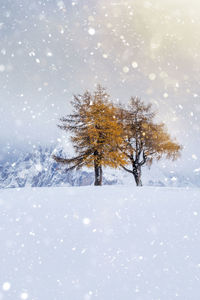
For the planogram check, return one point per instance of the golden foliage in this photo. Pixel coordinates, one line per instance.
(96, 133)
(105, 135)
(143, 139)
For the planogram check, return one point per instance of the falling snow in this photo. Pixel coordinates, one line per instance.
(91, 31)
(134, 65)
(86, 221)
(125, 69)
(6, 286)
(24, 296)
(116, 242)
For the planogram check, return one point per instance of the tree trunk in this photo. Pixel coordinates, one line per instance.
(97, 170)
(98, 175)
(137, 175)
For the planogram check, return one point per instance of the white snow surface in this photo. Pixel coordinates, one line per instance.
(105, 243)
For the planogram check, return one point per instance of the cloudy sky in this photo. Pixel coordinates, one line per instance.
(52, 49)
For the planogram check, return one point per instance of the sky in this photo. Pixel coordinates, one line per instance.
(50, 50)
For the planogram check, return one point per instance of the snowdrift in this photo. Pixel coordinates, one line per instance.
(105, 243)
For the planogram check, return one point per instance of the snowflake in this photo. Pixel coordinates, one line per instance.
(24, 296)
(6, 286)
(134, 65)
(86, 221)
(152, 76)
(2, 68)
(91, 31)
(165, 95)
(125, 69)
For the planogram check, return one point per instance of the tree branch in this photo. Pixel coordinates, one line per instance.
(127, 170)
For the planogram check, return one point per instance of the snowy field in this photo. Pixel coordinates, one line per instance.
(105, 243)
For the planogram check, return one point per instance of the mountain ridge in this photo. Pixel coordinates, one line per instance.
(38, 169)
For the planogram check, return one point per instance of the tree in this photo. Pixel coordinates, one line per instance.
(96, 133)
(143, 139)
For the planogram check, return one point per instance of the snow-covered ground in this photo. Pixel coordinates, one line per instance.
(105, 243)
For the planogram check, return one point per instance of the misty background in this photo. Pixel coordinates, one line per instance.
(50, 50)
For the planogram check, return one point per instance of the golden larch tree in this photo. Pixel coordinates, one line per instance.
(143, 139)
(96, 133)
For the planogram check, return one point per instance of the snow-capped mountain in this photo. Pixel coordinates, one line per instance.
(38, 169)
